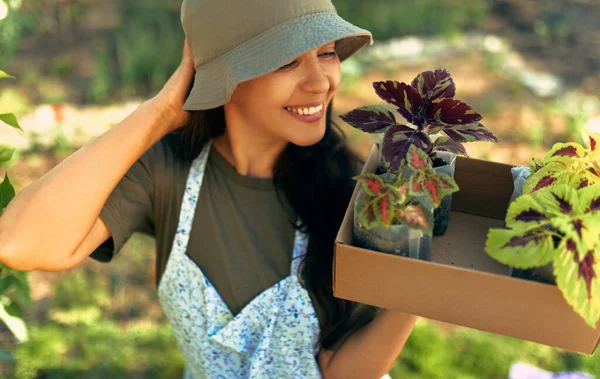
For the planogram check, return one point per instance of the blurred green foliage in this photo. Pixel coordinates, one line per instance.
(389, 19)
(141, 45)
(431, 353)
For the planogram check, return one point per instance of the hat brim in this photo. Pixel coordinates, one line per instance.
(215, 81)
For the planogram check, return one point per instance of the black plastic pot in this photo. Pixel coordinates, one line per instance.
(441, 215)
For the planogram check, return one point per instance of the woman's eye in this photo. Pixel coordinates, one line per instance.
(329, 54)
(287, 66)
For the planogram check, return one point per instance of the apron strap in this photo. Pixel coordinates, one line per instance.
(190, 199)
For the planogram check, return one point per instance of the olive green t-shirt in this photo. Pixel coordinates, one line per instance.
(242, 236)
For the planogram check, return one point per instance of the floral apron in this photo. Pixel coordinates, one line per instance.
(274, 336)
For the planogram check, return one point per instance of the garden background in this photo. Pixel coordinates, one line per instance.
(531, 68)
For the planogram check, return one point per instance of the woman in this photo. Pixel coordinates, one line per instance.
(244, 184)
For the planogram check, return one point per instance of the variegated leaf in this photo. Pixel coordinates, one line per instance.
(535, 165)
(378, 210)
(418, 159)
(403, 96)
(594, 148)
(396, 142)
(417, 216)
(565, 153)
(370, 119)
(526, 213)
(434, 186)
(521, 249)
(370, 183)
(447, 184)
(470, 133)
(444, 143)
(589, 199)
(452, 112)
(576, 269)
(549, 175)
(432, 85)
(560, 200)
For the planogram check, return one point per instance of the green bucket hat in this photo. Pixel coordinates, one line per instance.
(233, 41)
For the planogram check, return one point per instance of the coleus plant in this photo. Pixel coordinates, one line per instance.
(566, 163)
(428, 105)
(558, 224)
(399, 201)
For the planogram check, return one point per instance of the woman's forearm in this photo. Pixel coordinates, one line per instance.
(47, 220)
(371, 351)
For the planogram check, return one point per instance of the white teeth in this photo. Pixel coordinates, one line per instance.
(306, 111)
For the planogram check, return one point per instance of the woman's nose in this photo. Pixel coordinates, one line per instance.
(316, 79)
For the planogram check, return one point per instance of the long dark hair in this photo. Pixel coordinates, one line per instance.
(317, 182)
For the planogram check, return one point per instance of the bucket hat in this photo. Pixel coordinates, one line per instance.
(233, 41)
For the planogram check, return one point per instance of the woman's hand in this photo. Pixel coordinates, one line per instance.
(172, 96)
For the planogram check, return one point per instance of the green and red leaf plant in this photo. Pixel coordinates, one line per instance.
(401, 201)
(428, 105)
(559, 225)
(566, 163)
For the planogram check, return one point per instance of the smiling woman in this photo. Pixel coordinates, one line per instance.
(244, 182)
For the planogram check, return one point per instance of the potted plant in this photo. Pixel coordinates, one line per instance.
(555, 224)
(566, 163)
(393, 212)
(436, 123)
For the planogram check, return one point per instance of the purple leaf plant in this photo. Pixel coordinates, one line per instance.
(429, 107)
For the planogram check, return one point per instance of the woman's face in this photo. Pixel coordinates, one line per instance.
(289, 104)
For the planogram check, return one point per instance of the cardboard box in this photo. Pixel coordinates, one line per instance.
(462, 285)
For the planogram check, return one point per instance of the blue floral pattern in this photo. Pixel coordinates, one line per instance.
(274, 336)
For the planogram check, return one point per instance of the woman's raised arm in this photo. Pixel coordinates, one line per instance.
(54, 223)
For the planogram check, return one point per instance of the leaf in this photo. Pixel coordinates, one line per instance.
(10, 119)
(470, 133)
(589, 199)
(535, 165)
(14, 309)
(378, 210)
(550, 175)
(417, 216)
(564, 153)
(427, 183)
(561, 201)
(526, 213)
(7, 192)
(417, 159)
(6, 153)
(444, 143)
(432, 85)
(594, 148)
(5, 283)
(576, 272)
(452, 112)
(367, 216)
(447, 184)
(520, 249)
(370, 119)
(4, 75)
(396, 142)
(15, 324)
(401, 95)
(371, 183)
